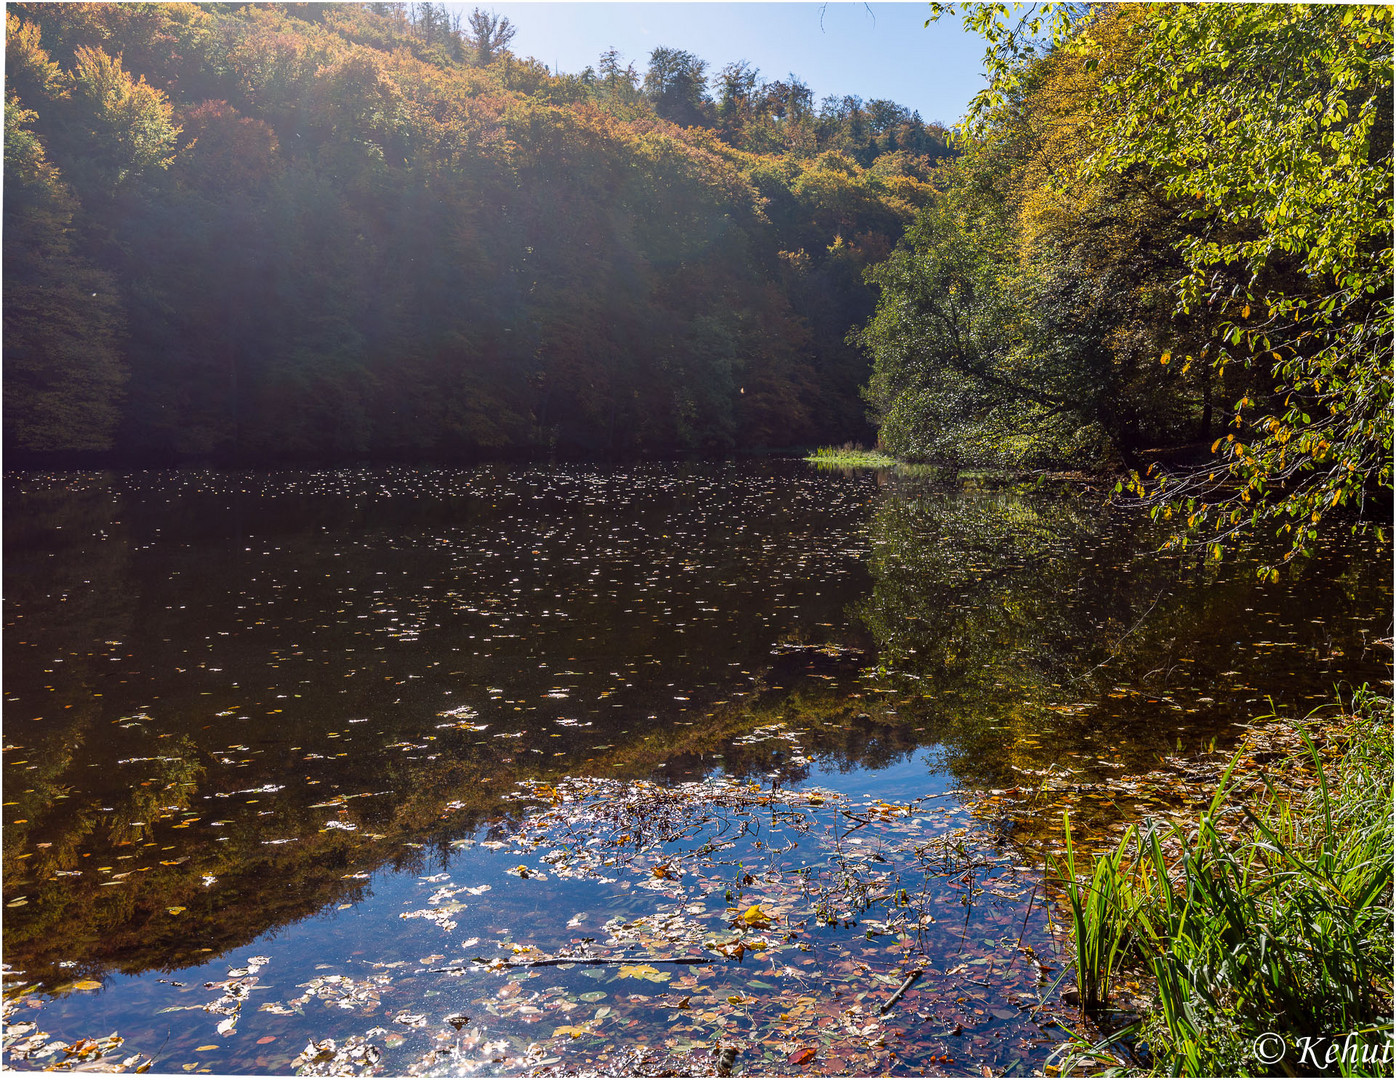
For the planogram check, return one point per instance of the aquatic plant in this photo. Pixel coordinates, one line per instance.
(1273, 922)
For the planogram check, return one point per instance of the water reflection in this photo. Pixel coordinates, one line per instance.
(1027, 628)
(230, 694)
(231, 698)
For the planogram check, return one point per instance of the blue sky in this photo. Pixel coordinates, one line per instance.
(878, 50)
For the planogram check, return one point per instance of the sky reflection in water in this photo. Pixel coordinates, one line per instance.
(262, 715)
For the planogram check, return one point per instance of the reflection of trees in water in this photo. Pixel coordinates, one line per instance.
(424, 805)
(68, 615)
(989, 611)
(1023, 629)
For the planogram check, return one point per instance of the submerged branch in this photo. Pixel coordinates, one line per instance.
(906, 985)
(555, 961)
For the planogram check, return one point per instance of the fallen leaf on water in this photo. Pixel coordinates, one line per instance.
(644, 971)
(202, 1049)
(754, 916)
(87, 984)
(803, 1055)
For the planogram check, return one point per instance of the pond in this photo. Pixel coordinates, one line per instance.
(670, 768)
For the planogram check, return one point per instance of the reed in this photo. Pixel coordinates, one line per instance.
(1284, 927)
(1101, 916)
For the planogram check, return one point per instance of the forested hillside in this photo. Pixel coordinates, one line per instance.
(275, 232)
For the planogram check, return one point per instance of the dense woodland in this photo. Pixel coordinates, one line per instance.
(273, 232)
(269, 232)
(1169, 225)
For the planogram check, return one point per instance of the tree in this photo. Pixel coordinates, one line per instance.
(618, 84)
(676, 84)
(944, 385)
(1272, 125)
(488, 34)
(62, 315)
(127, 124)
(736, 87)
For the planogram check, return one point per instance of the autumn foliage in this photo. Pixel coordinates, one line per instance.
(327, 232)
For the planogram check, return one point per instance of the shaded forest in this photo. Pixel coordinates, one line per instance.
(305, 232)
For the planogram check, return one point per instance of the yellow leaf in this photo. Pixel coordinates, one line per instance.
(567, 1029)
(1246, 312)
(87, 984)
(201, 1049)
(1165, 358)
(644, 971)
(754, 916)
(174, 910)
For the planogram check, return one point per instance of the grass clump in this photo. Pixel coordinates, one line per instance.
(849, 456)
(1270, 919)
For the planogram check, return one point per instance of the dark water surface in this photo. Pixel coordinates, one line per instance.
(267, 735)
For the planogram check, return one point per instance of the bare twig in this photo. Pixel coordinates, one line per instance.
(906, 985)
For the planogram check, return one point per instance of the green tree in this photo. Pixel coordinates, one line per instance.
(126, 125)
(944, 337)
(676, 83)
(1271, 125)
(1274, 122)
(62, 315)
(489, 35)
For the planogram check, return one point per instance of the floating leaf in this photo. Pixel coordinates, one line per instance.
(644, 971)
(754, 916)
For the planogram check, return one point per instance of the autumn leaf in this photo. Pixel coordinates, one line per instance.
(644, 971)
(754, 916)
(802, 1056)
